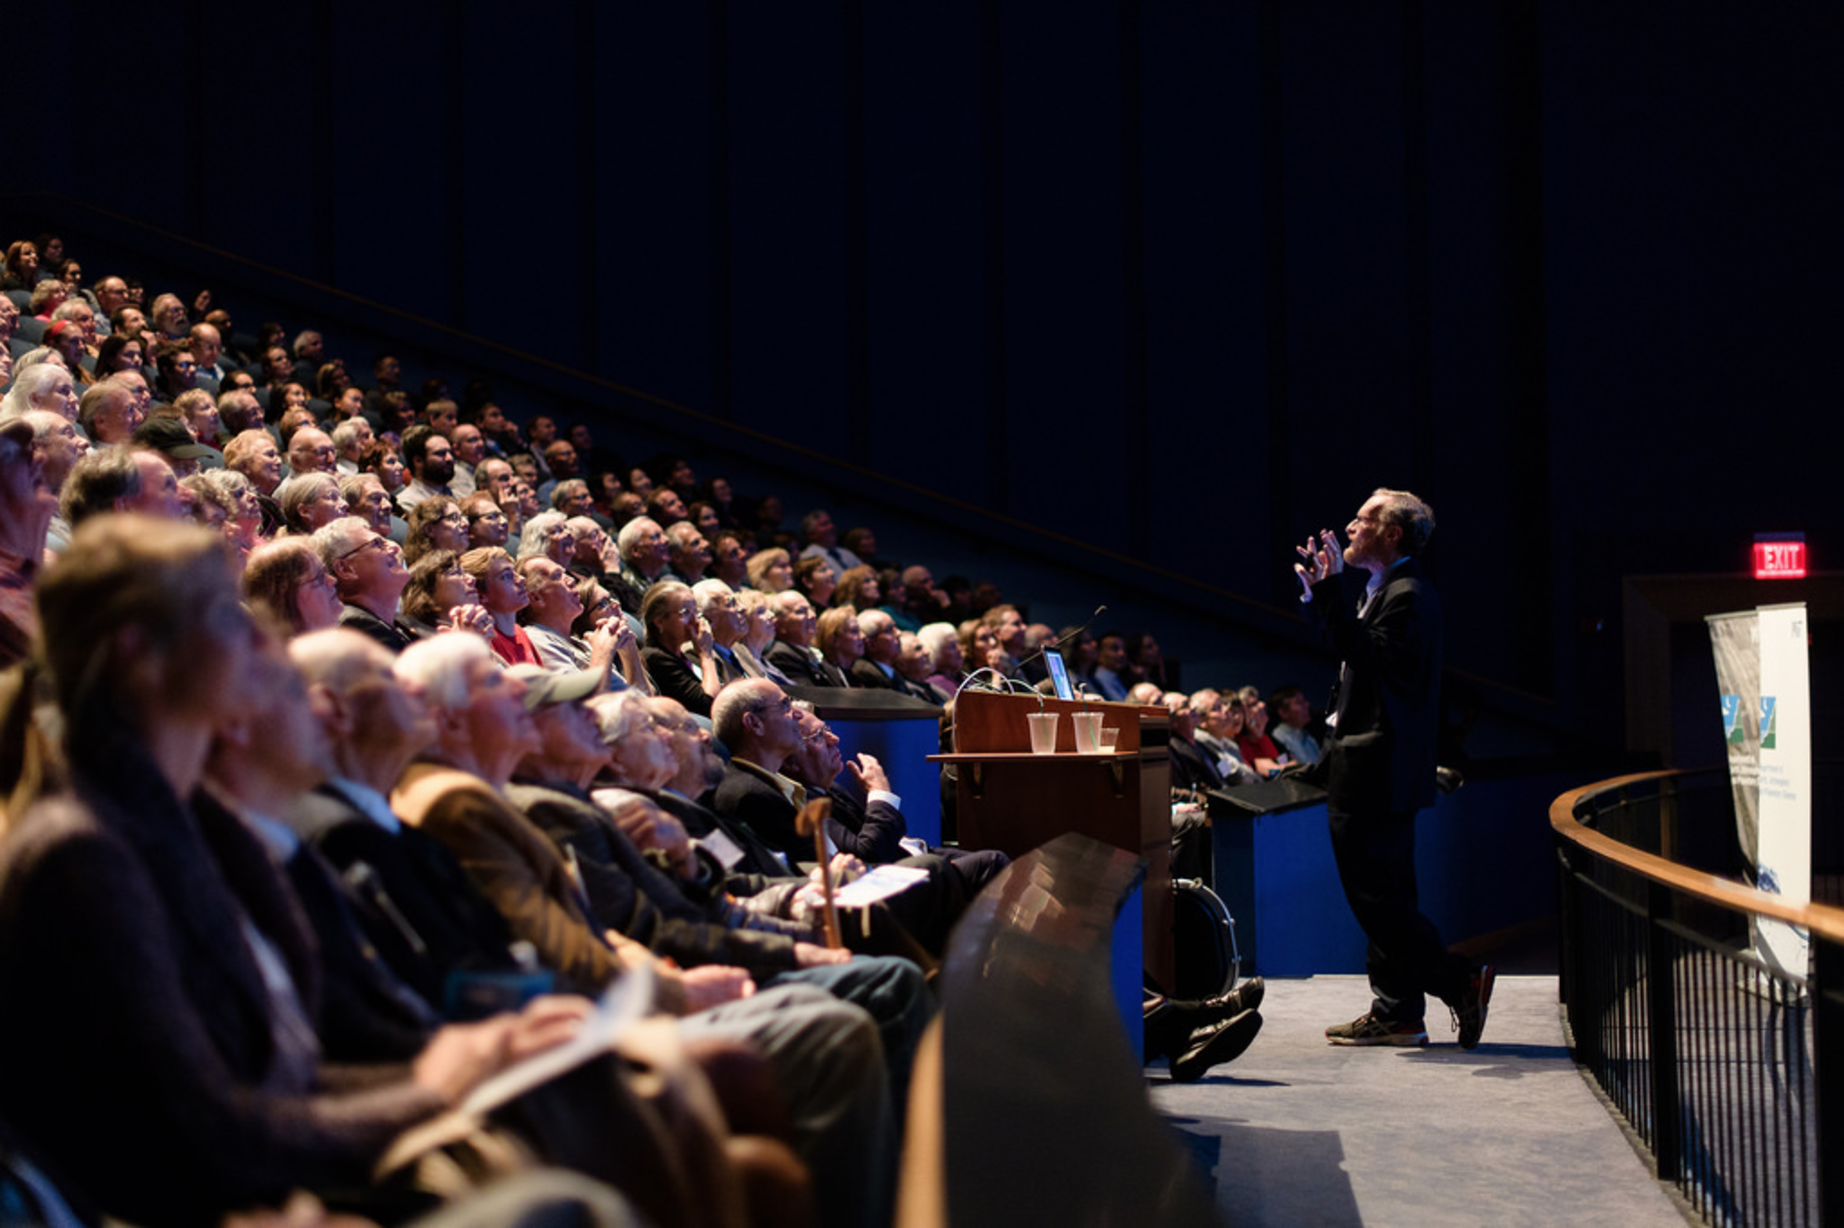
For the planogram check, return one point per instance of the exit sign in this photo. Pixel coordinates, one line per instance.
(1780, 556)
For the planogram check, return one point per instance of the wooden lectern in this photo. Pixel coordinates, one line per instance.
(1009, 799)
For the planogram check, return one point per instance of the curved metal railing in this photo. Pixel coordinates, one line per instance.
(1730, 1070)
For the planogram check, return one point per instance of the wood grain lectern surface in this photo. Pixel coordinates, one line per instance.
(1010, 799)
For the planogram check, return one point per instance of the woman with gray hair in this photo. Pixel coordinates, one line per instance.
(548, 534)
(309, 501)
(44, 386)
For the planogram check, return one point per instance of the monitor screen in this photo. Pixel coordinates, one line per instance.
(1059, 673)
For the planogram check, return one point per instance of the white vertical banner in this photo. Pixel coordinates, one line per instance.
(1783, 858)
(1736, 641)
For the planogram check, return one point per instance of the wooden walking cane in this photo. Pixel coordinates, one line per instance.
(812, 821)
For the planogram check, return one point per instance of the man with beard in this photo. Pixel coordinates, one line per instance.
(431, 459)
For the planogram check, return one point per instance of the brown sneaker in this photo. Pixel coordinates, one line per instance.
(1367, 1029)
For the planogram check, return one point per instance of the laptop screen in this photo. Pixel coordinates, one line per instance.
(1059, 673)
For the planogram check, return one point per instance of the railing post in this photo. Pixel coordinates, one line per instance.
(1661, 1010)
(1828, 1071)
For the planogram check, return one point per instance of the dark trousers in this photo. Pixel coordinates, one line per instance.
(1406, 959)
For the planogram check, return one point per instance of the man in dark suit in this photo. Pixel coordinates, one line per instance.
(793, 653)
(1378, 768)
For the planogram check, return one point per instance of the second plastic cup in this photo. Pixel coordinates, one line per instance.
(1088, 732)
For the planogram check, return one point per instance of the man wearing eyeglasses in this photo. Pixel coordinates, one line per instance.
(368, 570)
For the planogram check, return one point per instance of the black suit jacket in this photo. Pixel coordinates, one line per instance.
(802, 667)
(747, 798)
(358, 618)
(867, 673)
(412, 899)
(630, 894)
(1382, 757)
(674, 679)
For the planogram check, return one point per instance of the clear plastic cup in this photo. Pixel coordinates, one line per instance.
(1043, 732)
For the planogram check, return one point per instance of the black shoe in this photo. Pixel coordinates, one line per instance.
(1215, 1044)
(1469, 1016)
(1244, 997)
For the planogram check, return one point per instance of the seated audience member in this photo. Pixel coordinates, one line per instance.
(1031, 666)
(238, 411)
(1147, 660)
(287, 581)
(503, 594)
(729, 623)
(770, 571)
(794, 652)
(243, 514)
(254, 455)
(862, 541)
(670, 615)
(59, 446)
(548, 535)
(21, 266)
(67, 339)
(108, 413)
(364, 497)
(207, 347)
(369, 571)
(839, 641)
(199, 412)
(166, 435)
(947, 665)
(553, 606)
(350, 439)
(729, 561)
(118, 479)
(27, 506)
(645, 554)
(1111, 665)
(1219, 720)
(436, 523)
(1295, 713)
(1080, 655)
(439, 595)
(816, 578)
(180, 1081)
(979, 647)
(882, 647)
(1145, 693)
(596, 554)
(119, 353)
(470, 449)
(1193, 771)
(666, 507)
(289, 409)
(486, 523)
(1008, 625)
(689, 553)
(520, 504)
(571, 497)
(175, 370)
(1258, 749)
(703, 517)
(825, 1053)
(431, 462)
(384, 462)
(918, 602)
(915, 663)
(309, 502)
(820, 539)
(760, 633)
(859, 589)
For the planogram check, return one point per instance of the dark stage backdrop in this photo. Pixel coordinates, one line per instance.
(1181, 279)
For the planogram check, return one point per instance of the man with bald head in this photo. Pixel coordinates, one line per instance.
(689, 551)
(208, 353)
(311, 450)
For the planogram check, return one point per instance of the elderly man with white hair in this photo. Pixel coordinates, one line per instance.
(826, 1055)
(368, 569)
